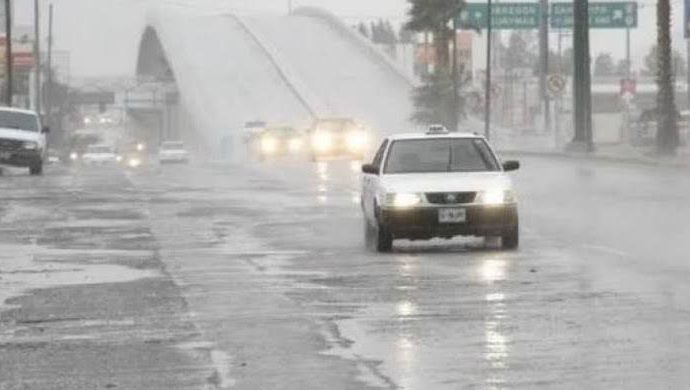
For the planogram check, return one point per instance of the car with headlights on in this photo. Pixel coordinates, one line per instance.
(338, 138)
(100, 155)
(275, 142)
(173, 152)
(22, 140)
(438, 185)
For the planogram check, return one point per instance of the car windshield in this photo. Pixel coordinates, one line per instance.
(99, 149)
(173, 146)
(440, 155)
(336, 126)
(18, 121)
(281, 132)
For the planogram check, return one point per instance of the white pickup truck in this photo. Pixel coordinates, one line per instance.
(22, 139)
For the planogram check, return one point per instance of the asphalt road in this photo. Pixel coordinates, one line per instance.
(256, 277)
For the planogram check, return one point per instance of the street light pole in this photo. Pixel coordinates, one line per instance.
(582, 78)
(487, 87)
(9, 79)
(49, 94)
(544, 60)
(37, 57)
(456, 97)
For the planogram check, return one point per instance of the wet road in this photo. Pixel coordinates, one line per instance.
(213, 276)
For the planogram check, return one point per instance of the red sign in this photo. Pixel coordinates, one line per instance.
(628, 87)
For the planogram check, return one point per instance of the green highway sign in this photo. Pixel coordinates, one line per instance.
(601, 15)
(504, 16)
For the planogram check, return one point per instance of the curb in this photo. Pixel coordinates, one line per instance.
(598, 157)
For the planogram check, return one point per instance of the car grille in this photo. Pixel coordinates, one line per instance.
(451, 197)
(9, 145)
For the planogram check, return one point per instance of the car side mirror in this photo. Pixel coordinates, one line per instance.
(370, 169)
(45, 130)
(510, 166)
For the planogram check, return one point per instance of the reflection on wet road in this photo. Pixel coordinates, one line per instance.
(271, 264)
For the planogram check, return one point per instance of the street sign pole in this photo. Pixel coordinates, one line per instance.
(37, 57)
(544, 60)
(456, 97)
(487, 92)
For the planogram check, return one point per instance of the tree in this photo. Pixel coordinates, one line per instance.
(362, 28)
(434, 100)
(604, 65)
(521, 51)
(667, 127)
(437, 101)
(651, 62)
(434, 16)
(406, 36)
(622, 68)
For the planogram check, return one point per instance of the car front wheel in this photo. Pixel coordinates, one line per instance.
(36, 170)
(511, 239)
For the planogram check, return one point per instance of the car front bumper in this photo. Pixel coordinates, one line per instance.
(21, 158)
(423, 223)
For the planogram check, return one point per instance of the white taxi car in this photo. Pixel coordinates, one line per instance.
(438, 185)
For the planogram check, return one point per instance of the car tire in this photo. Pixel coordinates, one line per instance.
(384, 240)
(36, 170)
(511, 239)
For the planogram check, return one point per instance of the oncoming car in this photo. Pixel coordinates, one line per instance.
(280, 141)
(438, 185)
(173, 152)
(338, 139)
(22, 140)
(100, 155)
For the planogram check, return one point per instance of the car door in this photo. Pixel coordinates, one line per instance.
(371, 182)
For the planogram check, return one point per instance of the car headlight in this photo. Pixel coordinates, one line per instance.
(134, 162)
(269, 145)
(356, 141)
(118, 158)
(295, 145)
(322, 141)
(403, 200)
(74, 156)
(30, 145)
(496, 197)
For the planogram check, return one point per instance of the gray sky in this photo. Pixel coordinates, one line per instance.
(102, 35)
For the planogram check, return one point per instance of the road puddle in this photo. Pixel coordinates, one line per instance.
(21, 272)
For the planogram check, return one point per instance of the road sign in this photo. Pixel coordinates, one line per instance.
(504, 16)
(601, 15)
(555, 83)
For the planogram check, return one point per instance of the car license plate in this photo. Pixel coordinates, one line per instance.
(452, 215)
(5, 155)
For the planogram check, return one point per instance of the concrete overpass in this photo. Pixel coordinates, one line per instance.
(230, 69)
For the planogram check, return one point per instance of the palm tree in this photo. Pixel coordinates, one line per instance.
(667, 133)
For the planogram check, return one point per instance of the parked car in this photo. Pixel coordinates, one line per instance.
(22, 140)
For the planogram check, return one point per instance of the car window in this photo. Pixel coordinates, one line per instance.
(440, 155)
(18, 121)
(378, 158)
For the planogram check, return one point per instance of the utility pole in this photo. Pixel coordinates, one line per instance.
(456, 87)
(582, 78)
(487, 87)
(544, 60)
(9, 79)
(37, 57)
(628, 64)
(49, 76)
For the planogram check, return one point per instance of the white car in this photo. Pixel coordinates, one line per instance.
(438, 185)
(100, 155)
(22, 139)
(173, 152)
